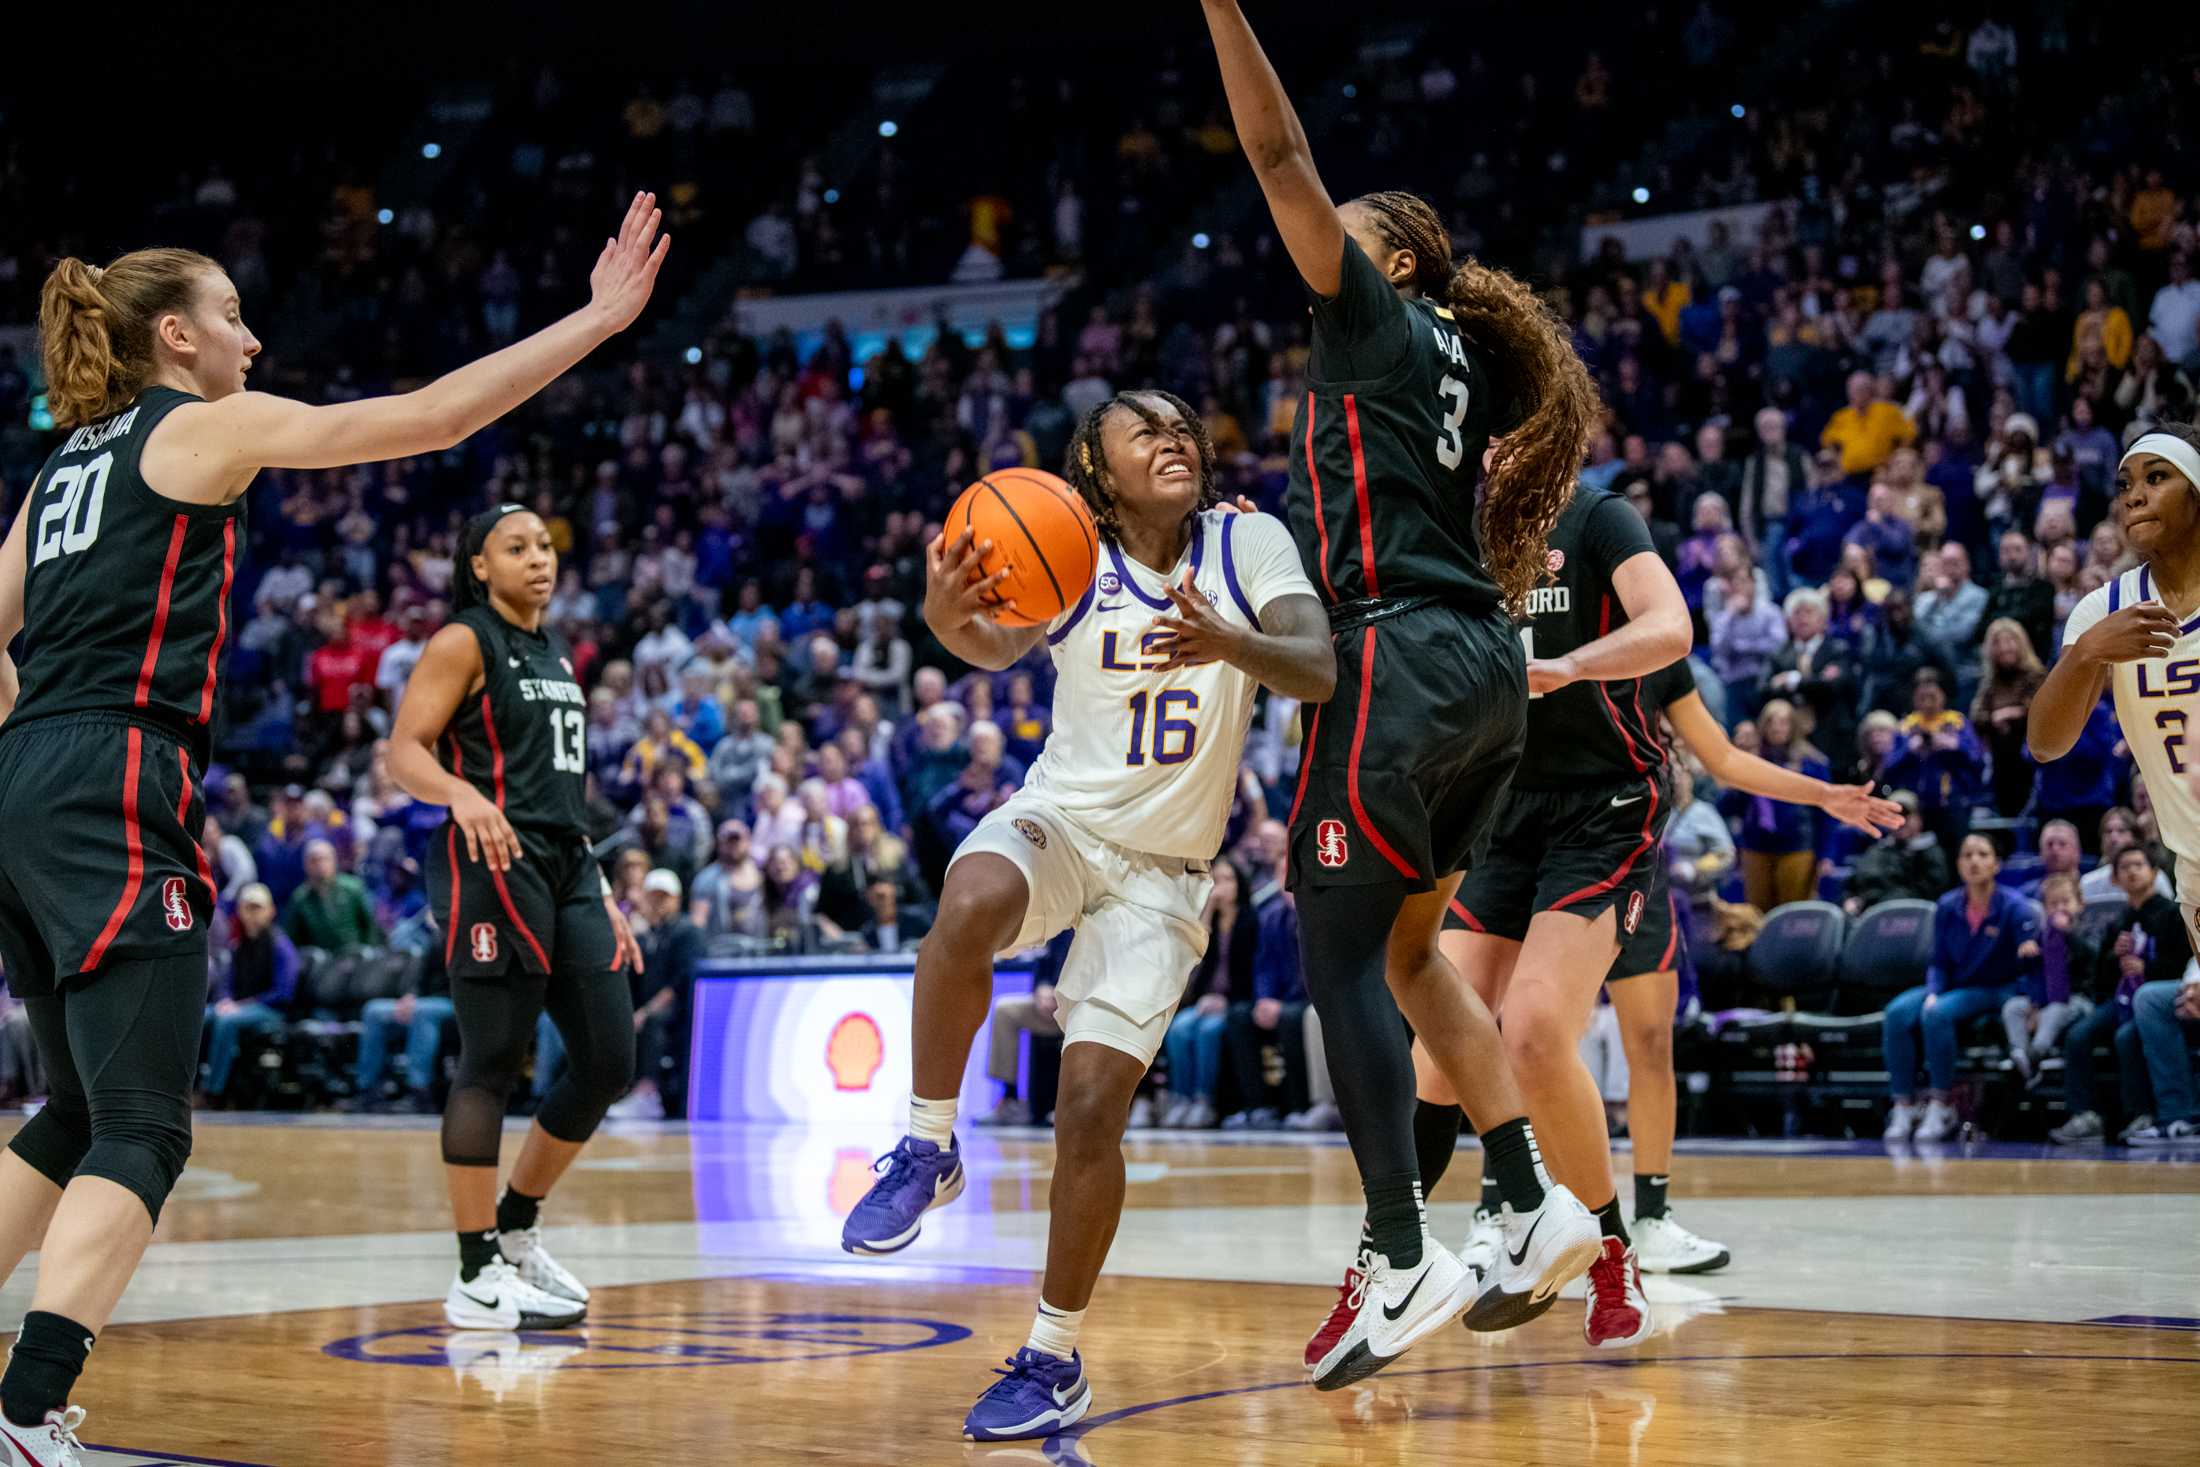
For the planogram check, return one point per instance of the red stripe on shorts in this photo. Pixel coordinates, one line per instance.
(134, 839)
(1352, 766)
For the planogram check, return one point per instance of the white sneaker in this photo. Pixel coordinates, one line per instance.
(1901, 1121)
(1539, 1253)
(1399, 1306)
(641, 1104)
(1485, 1244)
(498, 1298)
(1142, 1116)
(2022, 1061)
(2176, 1133)
(2132, 1127)
(1939, 1124)
(1321, 1116)
(524, 1251)
(52, 1443)
(2083, 1127)
(1664, 1246)
(1201, 1117)
(503, 1364)
(1172, 1119)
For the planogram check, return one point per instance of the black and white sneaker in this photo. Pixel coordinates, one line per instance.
(498, 1298)
(522, 1247)
(1398, 1307)
(1540, 1253)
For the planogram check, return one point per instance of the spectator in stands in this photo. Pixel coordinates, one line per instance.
(229, 859)
(1693, 564)
(728, 894)
(1779, 841)
(956, 809)
(1892, 655)
(738, 758)
(2166, 1016)
(1868, 430)
(1773, 480)
(2080, 787)
(790, 898)
(2157, 389)
(1940, 757)
(696, 712)
(1015, 1015)
(280, 852)
(2101, 324)
(2054, 991)
(2118, 831)
(2021, 595)
(332, 910)
(1816, 670)
(1888, 535)
(252, 992)
(1985, 937)
(871, 854)
(1224, 977)
(779, 816)
(661, 743)
(2147, 943)
(1905, 863)
(1275, 1019)
(1950, 607)
(2010, 673)
(891, 928)
(1746, 630)
(663, 992)
(419, 1013)
(2059, 856)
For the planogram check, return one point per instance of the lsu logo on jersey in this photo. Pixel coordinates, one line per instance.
(2179, 679)
(1329, 844)
(484, 942)
(175, 904)
(1636, 901)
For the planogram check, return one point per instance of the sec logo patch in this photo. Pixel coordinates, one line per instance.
(1029, 830)
(1633, 918)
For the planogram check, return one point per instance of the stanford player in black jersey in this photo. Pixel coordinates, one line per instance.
(1415, 364)
(117, 574)
(494, 725)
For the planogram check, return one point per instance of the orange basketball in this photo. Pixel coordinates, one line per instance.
(1041, 530)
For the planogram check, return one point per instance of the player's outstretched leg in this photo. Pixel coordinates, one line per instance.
(1044, 1388)
(1644, 1004)
(981, 911)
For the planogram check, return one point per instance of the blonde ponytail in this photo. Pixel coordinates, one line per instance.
(95, 327)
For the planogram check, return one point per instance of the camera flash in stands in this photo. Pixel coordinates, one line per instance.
(1978, 231)
(431, 151)
(1642, 195)
(1200, 241)
(888, 128)
(384, 216)
(693, 354)
(1738, 111)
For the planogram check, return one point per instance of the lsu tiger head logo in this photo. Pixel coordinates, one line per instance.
(175, 904)
(855, 1051)
(1329, 846)
(1029, 830)
(484, 942)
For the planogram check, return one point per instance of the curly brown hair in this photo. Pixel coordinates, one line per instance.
(1086, 463)
(1554, 407)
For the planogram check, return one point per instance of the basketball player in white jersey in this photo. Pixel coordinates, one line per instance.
(1157, 665)
(2139, 636)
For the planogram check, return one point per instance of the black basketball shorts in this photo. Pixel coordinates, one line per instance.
(545, 915)
(1579, 851)
(1655, 945)
(1404, 767)
(100, 858)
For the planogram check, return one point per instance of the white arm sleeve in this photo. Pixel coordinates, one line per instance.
(1266, 560)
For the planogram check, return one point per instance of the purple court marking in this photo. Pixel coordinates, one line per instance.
(2148, 1321)
(685, 1347)
(165, 1457)
(1094, 1423)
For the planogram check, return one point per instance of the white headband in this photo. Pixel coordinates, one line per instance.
(2165, 445)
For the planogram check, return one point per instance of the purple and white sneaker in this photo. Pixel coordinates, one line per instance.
(920, 1175)
(1038, 1395)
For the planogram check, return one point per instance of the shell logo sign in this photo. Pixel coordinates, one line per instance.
(855, 1051)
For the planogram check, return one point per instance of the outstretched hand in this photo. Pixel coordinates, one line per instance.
(626, 271)
(1855, 805)
(1197, 633)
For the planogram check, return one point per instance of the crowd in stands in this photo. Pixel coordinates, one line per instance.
(1875, 434)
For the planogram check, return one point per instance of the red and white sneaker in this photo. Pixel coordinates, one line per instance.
(52, 1443)
(1618, 1312)
(1351, 1294)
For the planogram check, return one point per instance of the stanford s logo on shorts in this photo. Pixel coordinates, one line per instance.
(1329, 847)
(485, 942)
(175, 904)
(1633, 918)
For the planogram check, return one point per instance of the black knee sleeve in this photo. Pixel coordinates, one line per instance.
(1344, 935)
(140, 1140)
(599, 1068)
(54, 1141)
(496, 1023)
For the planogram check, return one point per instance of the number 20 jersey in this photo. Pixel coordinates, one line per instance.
(126, 593)
(522, 740)
(1145, 759)
(2158, 708)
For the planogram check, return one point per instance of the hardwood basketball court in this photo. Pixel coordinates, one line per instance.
(2002, 1304)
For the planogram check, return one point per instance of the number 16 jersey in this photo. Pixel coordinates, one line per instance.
(522, 740)
(2158, 708)
(1145, 759)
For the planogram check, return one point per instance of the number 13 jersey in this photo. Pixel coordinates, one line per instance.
(522, 740)
(1146, 759)
(2158, 708)
(125, 592)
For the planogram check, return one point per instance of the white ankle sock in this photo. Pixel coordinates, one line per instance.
(1054, 1331)
(932, 1120)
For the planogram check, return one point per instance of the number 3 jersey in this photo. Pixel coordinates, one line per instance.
(522, 740)
(2158, 708)
(1146, 759)
(126, 593)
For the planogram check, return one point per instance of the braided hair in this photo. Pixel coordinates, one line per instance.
(1554, 402)
(1086, 468)
(468, 589)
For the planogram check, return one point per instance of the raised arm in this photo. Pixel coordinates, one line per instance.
(1657, 633)
(446, 674)
(207, 453)
(1851, 804)
(955, 609)
(1268, 129)
(2074, 684)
